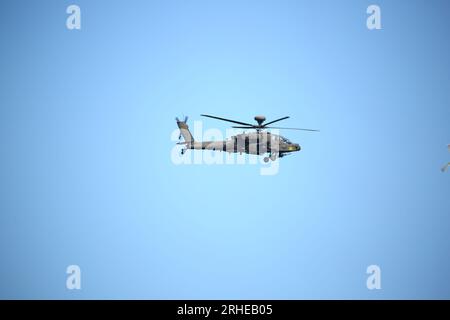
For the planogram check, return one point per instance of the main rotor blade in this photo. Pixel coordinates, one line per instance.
(292, 129)
(264, 125)
(248, 127)
(223, 119)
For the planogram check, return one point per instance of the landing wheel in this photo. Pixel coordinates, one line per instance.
(273, 157)
(266, 159)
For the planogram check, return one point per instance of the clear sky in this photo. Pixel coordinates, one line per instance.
(86, 175)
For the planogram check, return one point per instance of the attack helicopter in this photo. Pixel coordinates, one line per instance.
(258, 142)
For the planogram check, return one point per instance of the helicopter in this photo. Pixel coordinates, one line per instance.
(444, 168)
(259, 142)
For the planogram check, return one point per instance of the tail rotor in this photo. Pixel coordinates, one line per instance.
(178, 121)
(184, 132)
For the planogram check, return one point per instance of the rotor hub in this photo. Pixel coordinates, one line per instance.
(260, 119)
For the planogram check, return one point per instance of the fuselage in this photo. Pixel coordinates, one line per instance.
(252, 143)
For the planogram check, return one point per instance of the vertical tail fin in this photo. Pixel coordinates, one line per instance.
(184, 130)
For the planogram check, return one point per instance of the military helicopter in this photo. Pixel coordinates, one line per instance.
(260, 142)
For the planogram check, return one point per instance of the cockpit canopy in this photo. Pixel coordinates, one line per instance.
(285, 140)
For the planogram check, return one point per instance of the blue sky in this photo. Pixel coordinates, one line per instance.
(86, 118)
